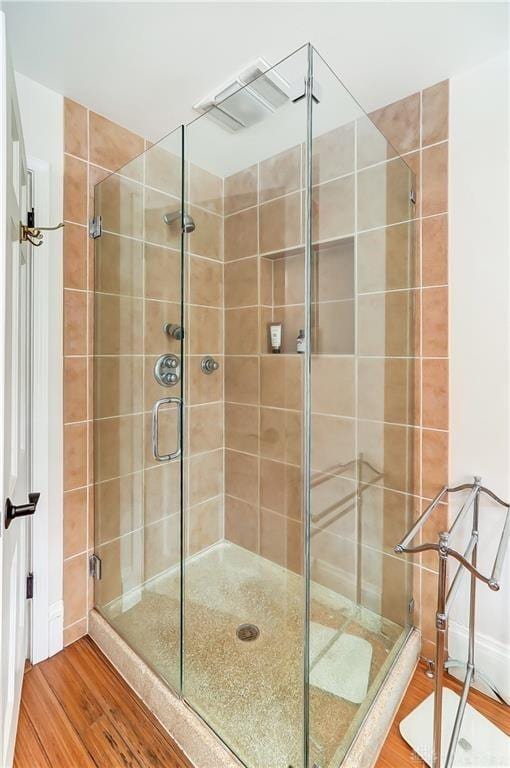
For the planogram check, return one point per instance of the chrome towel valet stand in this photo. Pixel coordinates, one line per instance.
(445, 596)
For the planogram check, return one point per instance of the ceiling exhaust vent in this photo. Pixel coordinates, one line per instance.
(247, 98)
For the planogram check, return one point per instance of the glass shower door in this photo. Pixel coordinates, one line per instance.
(253, 397)
(362, 413)
(244, 585)
(138, 376)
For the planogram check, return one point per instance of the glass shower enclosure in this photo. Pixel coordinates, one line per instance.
(254, 365)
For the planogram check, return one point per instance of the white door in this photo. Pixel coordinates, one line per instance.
(14, 405)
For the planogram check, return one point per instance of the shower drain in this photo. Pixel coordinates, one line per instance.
(247, 632)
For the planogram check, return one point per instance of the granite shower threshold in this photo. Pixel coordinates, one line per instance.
(202, 746)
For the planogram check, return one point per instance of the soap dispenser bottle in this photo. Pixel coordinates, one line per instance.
(300, 342)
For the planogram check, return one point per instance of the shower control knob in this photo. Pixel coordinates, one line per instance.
(167, 370)
(209, 365)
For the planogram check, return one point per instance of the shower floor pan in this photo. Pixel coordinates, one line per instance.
(251, 693)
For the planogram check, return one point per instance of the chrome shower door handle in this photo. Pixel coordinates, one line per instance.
(155, 428)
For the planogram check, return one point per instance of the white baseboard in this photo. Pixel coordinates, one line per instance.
(491, 657)
(55, 627)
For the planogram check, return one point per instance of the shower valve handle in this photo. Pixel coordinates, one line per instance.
(209, 365)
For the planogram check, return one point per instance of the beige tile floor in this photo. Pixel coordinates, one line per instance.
(250, 693)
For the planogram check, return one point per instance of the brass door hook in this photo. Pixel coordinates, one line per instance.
(35, 235)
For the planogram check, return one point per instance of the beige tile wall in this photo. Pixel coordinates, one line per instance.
(237, 283)
(138, 289)
(93, 147)
(131, 325)
(418, 128)
(397, 386)
(263, 510)
(431, 163)
(204, 291)
(264, 391)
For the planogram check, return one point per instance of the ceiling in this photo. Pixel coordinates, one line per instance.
(145, 64)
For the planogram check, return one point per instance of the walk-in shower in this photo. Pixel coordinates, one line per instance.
(252, 569)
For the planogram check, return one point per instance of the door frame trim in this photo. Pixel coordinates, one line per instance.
(47, 620)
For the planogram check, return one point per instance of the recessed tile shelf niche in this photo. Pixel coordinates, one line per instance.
(333, 306)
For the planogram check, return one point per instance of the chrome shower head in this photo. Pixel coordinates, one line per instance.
(187, 220)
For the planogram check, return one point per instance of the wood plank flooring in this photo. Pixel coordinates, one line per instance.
(77, 712)
(396, 753)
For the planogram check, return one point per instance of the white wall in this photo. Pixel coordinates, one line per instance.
(479, 331)
(42, 121)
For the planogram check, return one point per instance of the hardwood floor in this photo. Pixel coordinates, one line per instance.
(397, 753)
(77, 712)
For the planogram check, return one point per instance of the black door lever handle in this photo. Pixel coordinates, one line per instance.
(12, 511)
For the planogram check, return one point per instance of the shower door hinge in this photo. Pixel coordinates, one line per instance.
(30, 586)
(95, 567)
(412, 196)
(410, 606)
(95, 227)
